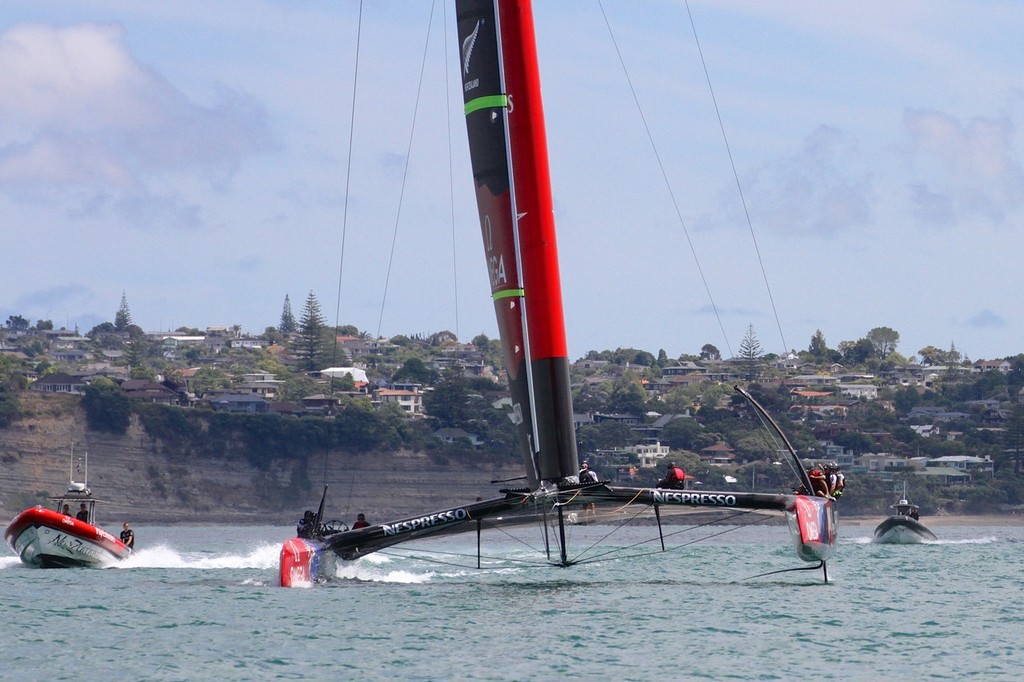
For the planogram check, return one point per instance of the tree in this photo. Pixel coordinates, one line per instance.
(287, 325)
(310, 340)
(106, 407)
(884, 340)
(709, 352)
(123, 317)
(750, 354)
(17, 322)
(414, 370)
(135, 353)
(628, 396)
(856, 352)
(818, 347)
(448, 403)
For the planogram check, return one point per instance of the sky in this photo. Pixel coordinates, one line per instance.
(863, 167)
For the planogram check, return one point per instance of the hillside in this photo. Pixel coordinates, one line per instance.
(146, 482)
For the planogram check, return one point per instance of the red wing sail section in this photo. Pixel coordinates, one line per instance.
(508, 148)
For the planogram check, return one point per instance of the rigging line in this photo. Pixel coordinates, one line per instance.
(736, 176)
(664, 176)
(428, 560)
(344, 231)
(451, 173)
(405, 170)
(612, 554)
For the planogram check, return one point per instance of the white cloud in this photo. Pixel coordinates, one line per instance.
(817, 191)
(77, 110)
(962, 170)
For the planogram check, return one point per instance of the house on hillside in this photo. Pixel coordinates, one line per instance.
(148, 392)
(1003, 366)
(650, 454)
(58, 382)
(239, 403)
(411, 401)
(718, 454)
(453, 436)
(859, 391)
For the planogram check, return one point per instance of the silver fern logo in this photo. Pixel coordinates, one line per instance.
(467, 46)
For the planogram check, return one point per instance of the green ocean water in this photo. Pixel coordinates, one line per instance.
(202, 603)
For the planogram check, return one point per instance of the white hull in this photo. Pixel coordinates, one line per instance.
(48, 539)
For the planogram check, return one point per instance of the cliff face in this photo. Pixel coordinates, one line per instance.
(143, 482)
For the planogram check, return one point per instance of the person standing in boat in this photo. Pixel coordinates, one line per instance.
(587, 475)
(127, 536)
(83, 513)
(675, 477)
(361, 522)
(67, 510)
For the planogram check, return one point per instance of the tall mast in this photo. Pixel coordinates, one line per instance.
(508, 146)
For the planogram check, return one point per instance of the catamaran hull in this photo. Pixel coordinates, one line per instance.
(44, 538)
(305, 562)
(812, 525)
(902, 530)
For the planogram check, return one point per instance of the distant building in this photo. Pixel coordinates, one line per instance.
(58, 382)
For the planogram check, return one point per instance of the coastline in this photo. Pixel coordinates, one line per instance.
(942, 520)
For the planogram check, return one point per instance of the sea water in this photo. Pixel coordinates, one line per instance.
(203, 603)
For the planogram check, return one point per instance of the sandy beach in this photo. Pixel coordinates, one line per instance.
(943, 520)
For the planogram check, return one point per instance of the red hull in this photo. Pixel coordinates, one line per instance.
(302, 562)
(48, 539)
(813, 526)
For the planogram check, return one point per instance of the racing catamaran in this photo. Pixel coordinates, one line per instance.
(508, 148)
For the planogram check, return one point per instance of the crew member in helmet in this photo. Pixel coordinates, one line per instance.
(675, 477)
(361, 522)
(831, 477)
(307, 525)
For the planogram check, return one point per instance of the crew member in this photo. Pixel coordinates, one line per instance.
(67, 510)
(83, 513)
(307, 525)
(818, 483)
(831, 478)
(127, 536)
(587, 475)
(361, 522)
(674, 477)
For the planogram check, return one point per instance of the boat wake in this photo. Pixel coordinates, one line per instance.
(163, 556)
(380, 569)
(965, 541)
(9, 562)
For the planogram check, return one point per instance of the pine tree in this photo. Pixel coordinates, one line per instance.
(818, 347)
(287, 325)
(309, 342)
(123, 318)
(750, 354)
